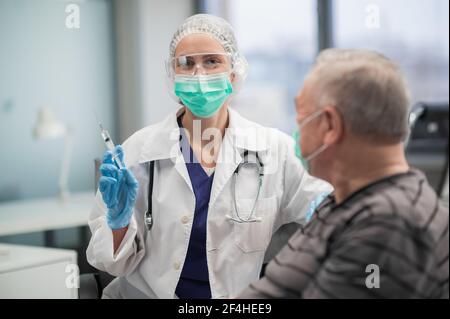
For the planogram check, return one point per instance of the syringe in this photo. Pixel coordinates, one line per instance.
(110, 146)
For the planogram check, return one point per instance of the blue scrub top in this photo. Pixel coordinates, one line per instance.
(194, 279)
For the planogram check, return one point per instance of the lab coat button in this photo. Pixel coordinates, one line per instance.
(185, 219)
(176, 266)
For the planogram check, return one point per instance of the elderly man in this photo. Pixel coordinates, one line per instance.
(383, 233)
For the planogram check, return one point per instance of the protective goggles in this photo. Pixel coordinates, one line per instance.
(200, 64)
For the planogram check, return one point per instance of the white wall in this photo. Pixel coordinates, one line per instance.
(144, 29)
(42, 62)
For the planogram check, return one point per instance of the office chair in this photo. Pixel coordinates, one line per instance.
(92, 285)
(428, 144)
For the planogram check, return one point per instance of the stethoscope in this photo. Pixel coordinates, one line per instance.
(258, 165)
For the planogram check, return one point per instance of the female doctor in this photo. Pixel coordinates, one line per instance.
(193, 209)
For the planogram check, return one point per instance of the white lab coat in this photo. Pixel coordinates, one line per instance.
(150, 263)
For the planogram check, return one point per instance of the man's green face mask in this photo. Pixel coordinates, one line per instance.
(203, 95)
(305, 160)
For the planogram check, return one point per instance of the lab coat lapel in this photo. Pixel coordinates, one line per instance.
(229, 159)
(241, 135)
(180, 166)
(163, 142)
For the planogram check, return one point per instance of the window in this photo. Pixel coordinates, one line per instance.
(278, 38)
(413, 33)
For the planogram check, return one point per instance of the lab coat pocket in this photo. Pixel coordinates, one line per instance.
(252, 233)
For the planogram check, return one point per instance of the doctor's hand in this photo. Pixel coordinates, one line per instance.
(314, 205)
(119, 190)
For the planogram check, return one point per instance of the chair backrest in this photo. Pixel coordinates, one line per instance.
(428, 144)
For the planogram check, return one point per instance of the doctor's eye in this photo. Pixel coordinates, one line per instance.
(214, 61)
(185, 63)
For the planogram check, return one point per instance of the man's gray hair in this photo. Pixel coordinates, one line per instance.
(367, 88)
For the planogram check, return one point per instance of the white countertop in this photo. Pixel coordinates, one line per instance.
(16, 257)
(25, 216)
(38, 273)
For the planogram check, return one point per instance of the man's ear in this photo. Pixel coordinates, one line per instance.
(335, 125)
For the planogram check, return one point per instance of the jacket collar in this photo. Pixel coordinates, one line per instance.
(162, 139)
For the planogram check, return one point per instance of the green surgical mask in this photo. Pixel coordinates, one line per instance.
(203, 95)
(305, 160)
(298, 151)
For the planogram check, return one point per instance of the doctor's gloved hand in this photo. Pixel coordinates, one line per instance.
(119, 190)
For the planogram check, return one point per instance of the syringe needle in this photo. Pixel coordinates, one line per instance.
(108, 142)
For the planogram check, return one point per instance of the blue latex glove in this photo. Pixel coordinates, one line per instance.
(119, 190)
(314, 204)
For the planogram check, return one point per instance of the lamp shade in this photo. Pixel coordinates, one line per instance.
(47, 127)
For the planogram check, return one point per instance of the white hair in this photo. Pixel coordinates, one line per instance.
(367, 88)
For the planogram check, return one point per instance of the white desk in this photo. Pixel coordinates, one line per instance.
(35, 272)
(26, 216)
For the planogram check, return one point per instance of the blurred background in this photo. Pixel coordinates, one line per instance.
(61, 61)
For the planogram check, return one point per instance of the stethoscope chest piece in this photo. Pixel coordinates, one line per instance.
(149, 221)
(259, 168)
